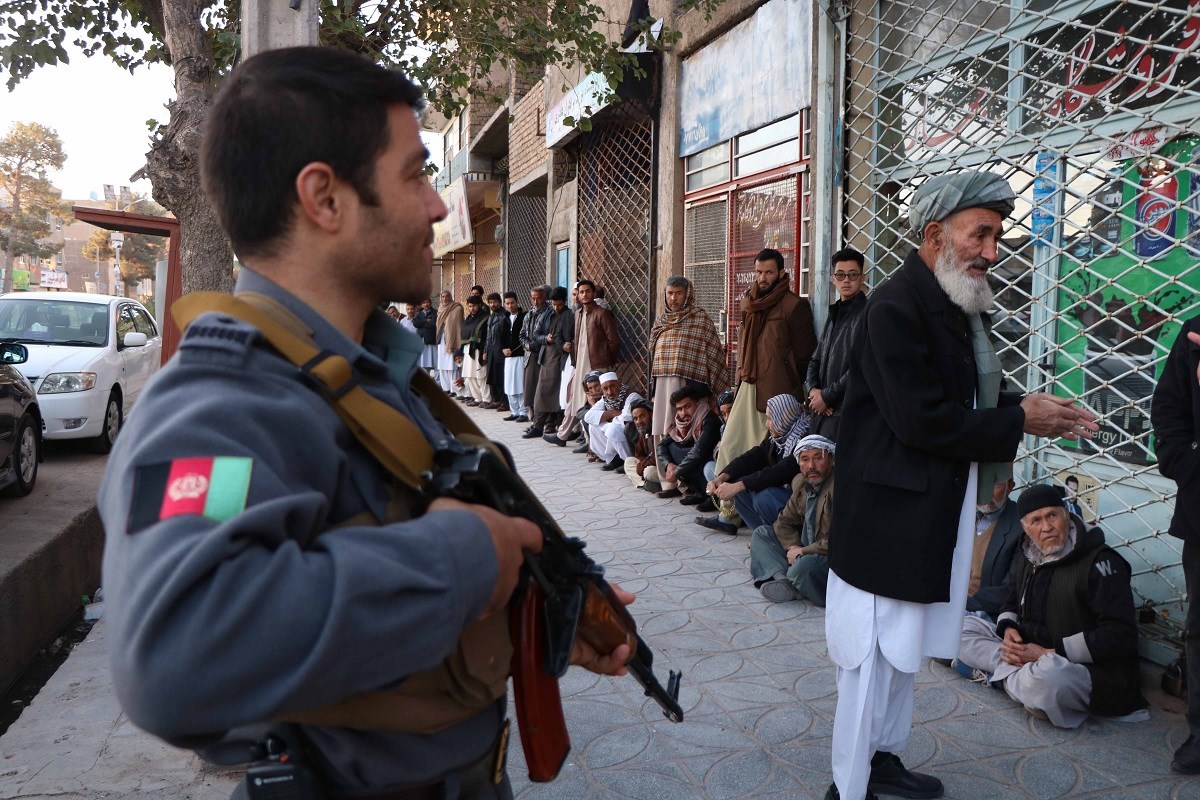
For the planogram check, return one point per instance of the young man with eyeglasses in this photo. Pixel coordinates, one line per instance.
(826, 381)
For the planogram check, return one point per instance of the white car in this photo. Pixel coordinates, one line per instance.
(89, 357)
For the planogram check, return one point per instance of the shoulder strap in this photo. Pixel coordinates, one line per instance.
(387, 434)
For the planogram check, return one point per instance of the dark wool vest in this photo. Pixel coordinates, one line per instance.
(1051, 613)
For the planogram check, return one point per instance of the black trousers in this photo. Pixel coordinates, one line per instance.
(495, 377)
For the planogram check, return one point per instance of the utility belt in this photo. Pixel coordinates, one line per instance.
(286, 773)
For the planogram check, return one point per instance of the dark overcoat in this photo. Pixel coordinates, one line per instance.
(1175, 413)
(908, 436)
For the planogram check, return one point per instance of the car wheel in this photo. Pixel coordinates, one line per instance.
(112, 425)
(26, 454)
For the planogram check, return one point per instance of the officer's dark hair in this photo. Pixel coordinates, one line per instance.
(474, 300)
(493, 296)
(849, 254)
(769, 254)
(585, 282)
(512, 295)
(281, 110)
(641, 404)
(558, 293)
(477, 288)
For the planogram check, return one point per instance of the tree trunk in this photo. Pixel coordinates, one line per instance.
(173, 163)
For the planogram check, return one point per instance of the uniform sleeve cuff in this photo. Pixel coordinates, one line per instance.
(473, 560)
(1075, 648)
(1005, 621)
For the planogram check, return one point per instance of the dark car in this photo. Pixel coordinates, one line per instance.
(20, 425)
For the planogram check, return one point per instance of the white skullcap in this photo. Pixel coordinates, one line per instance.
(814, 442)
(609, 376)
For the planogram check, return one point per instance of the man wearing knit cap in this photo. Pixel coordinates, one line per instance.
(788, 560)
(1059, 655)
(924, 427)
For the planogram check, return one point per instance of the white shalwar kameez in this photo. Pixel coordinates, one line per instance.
(607, 439)
(878, 644)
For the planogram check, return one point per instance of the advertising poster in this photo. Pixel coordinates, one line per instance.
(1080, 493)
(1115, 313)
(20, 280)
(455, 230)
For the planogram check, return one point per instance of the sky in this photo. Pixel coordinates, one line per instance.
(100, 111)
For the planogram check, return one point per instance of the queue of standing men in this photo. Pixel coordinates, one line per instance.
(762, 458)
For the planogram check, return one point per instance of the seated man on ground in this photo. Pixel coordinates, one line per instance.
(639, 467)
(789, 560)
(605, 422)
(759, 480)
(1065, 644)
(688, 445)
(995, 557)
(724, 405)
(591, 396)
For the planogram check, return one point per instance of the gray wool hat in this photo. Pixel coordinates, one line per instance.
(938, 198)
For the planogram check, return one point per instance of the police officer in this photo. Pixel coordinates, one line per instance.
(260, 564)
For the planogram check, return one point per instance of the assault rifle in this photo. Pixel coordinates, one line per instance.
(562, 594)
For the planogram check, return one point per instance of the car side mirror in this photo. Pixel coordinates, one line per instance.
(134, 339)
(13, 353)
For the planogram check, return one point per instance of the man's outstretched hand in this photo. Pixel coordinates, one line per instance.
(1058, 417)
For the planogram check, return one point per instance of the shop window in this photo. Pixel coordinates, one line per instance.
(708, 167)
(770, 146)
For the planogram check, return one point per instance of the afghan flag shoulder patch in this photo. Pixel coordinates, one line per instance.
(213, 487)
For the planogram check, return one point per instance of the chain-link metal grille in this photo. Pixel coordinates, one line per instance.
(447, 279)
(1089, 109)
(616, 168)
(488, 267)
(763, 216)
(526, 244)
(464, 274)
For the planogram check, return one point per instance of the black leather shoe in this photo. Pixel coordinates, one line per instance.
(832, 794)
(552, 438)
(573, 435)
(509, 418)
(583, 448)
(717, 524)
(654, 487)
(707, 507)
(614, 465)
(889, 776)
(532, 433)
(1187, 757)
(692, 499)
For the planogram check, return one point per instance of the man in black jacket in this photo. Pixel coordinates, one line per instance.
(495, 353)
(923, 428)
(1175, 413)
(826, 380)
(1065, 644)
(425, 322)
(688, 445)
(514, 358)
(994, 555)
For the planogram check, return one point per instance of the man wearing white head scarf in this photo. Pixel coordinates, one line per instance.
(921, 417)
(606, 422)
(788, 560)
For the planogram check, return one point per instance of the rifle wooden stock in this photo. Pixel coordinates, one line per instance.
(544, 737)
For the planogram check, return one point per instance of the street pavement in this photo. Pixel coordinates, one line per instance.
(758, 691)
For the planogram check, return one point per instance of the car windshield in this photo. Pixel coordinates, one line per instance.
(65, 322)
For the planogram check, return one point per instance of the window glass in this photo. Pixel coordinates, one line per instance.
(769, 134)
(708, 177)
(784, 153)
(125, 323)
(143, 323)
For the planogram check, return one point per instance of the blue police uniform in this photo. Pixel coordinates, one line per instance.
(226, 609)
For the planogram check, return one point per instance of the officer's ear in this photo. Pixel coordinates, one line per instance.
(322, 196)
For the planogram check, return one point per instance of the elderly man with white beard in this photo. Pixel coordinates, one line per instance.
(924, 427)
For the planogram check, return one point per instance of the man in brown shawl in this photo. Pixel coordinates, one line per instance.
(555, 351)
(449, 339)
(776, 339)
